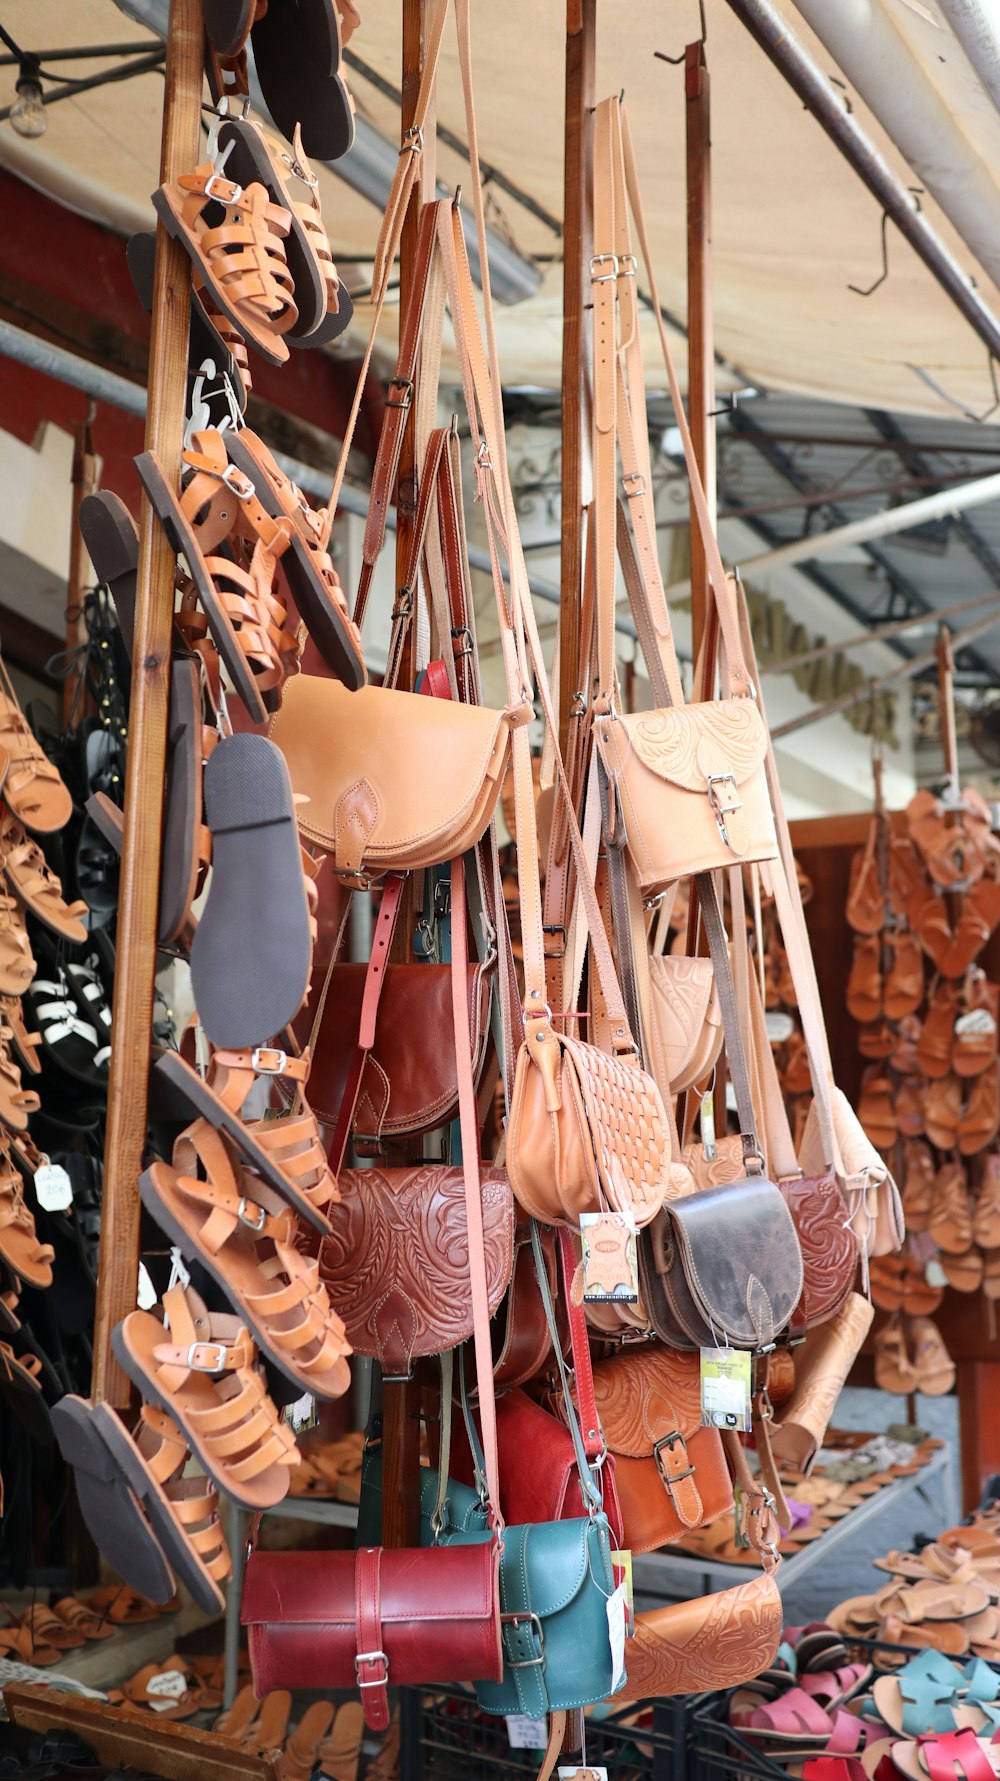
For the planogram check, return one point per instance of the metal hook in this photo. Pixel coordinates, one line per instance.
(858, 292)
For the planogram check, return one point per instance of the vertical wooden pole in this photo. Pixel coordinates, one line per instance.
(84, 483)
(946, 705)
(701, 337)
(147, 745)
(401, 1401)
(581, 32)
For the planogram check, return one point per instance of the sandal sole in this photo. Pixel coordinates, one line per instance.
(256, 902)
(108, 1505)
(176, 1548)
(249, 161)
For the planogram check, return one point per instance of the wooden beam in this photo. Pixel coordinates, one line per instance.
(581, 34)
(140, 868)
(701, 334)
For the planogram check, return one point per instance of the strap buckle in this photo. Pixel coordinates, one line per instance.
(196, 1357)
(405, 386)
(261, 1064)
(209, 191)
(633, 484)
(237, 482)
(668, 1442)
(604, 260)
(628, 266)
(413, 141)
(555, 928)
(372, 1657)
(720, 807)
(244, 1212)
(517, 1620)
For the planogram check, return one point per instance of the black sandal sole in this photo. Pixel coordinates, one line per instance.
(109, 1506)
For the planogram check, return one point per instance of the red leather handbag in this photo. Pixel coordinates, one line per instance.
(365, 1619)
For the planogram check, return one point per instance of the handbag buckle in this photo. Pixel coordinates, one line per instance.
(372, 1657)
(603, 260)
(518, 1620)
(667, 1441)
(720, 808)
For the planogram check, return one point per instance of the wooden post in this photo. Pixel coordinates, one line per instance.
(147, 743)
(84, 483)
(701, 337)
(401, 1401)
(581, 33)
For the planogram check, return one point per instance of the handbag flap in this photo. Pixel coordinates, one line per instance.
(396, 1260)
(381, 768)
(688, 744)
(555, 1559)
(682, 1000)
(829, 1246)
(417, 1583)
(741, 1258)
(643, 1397)
(410, 1076)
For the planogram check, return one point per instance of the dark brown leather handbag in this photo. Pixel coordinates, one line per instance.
(722, 1267)
(522, 1344)
(409, 1083)
(396, 1262)
(670, 1472)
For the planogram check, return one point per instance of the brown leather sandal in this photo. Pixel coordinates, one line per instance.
(19, 1245)
(918, 1185)
(975, 1040)
(894, 1370)
(865, 900)
(936, 1042)
(980, 1118)
(47, 1629)
(17, 961)
(963, 1272)
(932, 1364)
(904, 985)
(910, 1106)
(150, 1687)
(877, 1109)
(84, 1619)
(242, 261)
(943, 1112)
(16, 1103)
(986, 1219)
(32, 784)
(204, 1369)
(950, 1222)
(25, 1043)
(864, 984)
(31, 881)
(240, 1231)
(300, 1756)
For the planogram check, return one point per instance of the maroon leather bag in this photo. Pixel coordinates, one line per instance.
(829, 1247)
(373, 1619)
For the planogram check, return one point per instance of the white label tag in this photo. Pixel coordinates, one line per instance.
(53, 1188)
(725, 1388)
(978, 1021)
(706, 1115)
(582, 1774)
(526, 1734)
(780, 1026)
(302, 1414)
(610, 1262)
(617, 1615)
(172, 1684)
(146, 1293)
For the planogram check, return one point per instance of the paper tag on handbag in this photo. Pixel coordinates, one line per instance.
(726, 1388)
(978, 1022)
(526, 1734)
(302, 1414)
(706, 1117)
(610, 1263)
(779, 1026)
(53, 1188)
(582, 1774)
(617, 1613)
(171, 1685)
(622, 1565)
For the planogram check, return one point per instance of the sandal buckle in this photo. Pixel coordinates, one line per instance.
(261, 1060)
(238, 483)
(199, 1351)
(245, 1211)
(236, 192)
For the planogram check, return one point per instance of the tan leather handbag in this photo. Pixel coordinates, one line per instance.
(587, 1128)
(684, 1025)
(687, 780)
(714, 1641)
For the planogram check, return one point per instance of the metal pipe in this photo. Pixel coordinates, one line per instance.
(978, 31)
(107, 386)
(876, 58)
(770, 31)
(905, 671)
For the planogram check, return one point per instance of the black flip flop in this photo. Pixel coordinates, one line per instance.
(227, 23)
(297, 51)
(247, 161)
(184, 542)
(313, 600)
(24, 1395)
(252, 952)
(110, 1506)
(206, 341)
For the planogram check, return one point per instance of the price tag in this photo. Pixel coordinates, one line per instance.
(617, 1612)
(526, 1734)
(725, 1388)
(780, 1026)
(582, 1774)
(302, 1414)
(610, 1262)
(146, 1294)
(706, 1117)
(978, 1022)
(171, 1685)
(53, 1188)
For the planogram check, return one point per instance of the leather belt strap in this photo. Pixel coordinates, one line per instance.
(385, 927)
(590, 1422)
(371, 1665)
